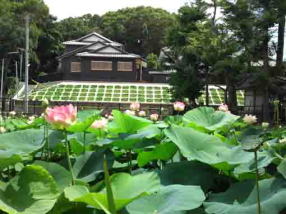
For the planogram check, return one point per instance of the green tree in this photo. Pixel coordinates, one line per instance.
(12, 27)
(142, 29)
(250, 22)
(152, 61)
(183, 42)
(49, 46)
(73, 28)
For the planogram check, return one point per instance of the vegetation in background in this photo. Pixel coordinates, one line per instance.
(223, 49)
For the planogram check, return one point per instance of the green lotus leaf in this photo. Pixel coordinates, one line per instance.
(88, 165)
(189, 173)
(241, 198)
(33, 191)
(282, 168)
(209, 149)
(208, 118)
(168, 200)
(124, 123)
(17, 146)
(125, 188)
(163, 152)
(61, 176)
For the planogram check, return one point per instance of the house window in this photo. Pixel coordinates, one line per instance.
(101, 66)
(125, 66)
(75, 67)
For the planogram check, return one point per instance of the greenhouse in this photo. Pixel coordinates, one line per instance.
(90, 92)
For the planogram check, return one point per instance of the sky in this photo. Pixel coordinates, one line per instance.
(72, 8)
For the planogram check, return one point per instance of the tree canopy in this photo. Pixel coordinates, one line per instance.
(224, 49)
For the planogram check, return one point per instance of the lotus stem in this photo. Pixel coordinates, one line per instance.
(46, 131)
(84, 141)
(68, 157)
(257, 183)
(130, 161)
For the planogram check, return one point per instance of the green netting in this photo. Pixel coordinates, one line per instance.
(216, 97)
(121, 93)
(103, 93)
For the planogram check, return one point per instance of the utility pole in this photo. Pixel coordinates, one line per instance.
(27, 22)
(16, 70)
(21, 66)
(2, 79)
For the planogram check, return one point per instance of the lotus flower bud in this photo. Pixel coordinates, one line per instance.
(2, 129)
(223, 107)
(130, 112)
(179, 106)
(265, 125)
(108, 116)
(250, 119)
(282, 141)
(154, 117)
(12, 113)
(45, 102)
(99, 124)
(135, 106)
(142, 113)
(31, 119)
(61, 117)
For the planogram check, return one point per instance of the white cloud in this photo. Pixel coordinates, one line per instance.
(71, 8)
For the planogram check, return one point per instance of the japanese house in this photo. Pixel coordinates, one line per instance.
(97, 58)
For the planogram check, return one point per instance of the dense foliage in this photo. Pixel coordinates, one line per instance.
(238, 44)
(142, 29)
(204, 161)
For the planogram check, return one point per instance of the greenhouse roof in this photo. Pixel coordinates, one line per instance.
(101, 92)
(152, 93)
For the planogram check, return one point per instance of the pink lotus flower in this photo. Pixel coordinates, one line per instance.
(249, 119)
(100, 124)
(154, 117)
(135, 106)
(223, 107)
(61, 117)
(179, 106)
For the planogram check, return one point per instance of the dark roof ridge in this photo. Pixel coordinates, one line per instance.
(96, 34)
(81, 49)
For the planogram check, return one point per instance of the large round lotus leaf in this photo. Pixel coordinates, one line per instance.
(124, 123)
(163, 151)
(207, 148)
(16, 145)
(61, 176)
(168, 200)
(209, 118)
(34, 191)
(125, 188)
(241, 198)
(282, 168)
(189, 173)
(251, 138)
(88, 165)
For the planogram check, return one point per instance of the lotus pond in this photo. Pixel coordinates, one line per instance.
(201, 162)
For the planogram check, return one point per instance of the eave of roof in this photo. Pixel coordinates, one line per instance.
(73, 42)
(87, 54)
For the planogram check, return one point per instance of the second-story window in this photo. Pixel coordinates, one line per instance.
(101, 66)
